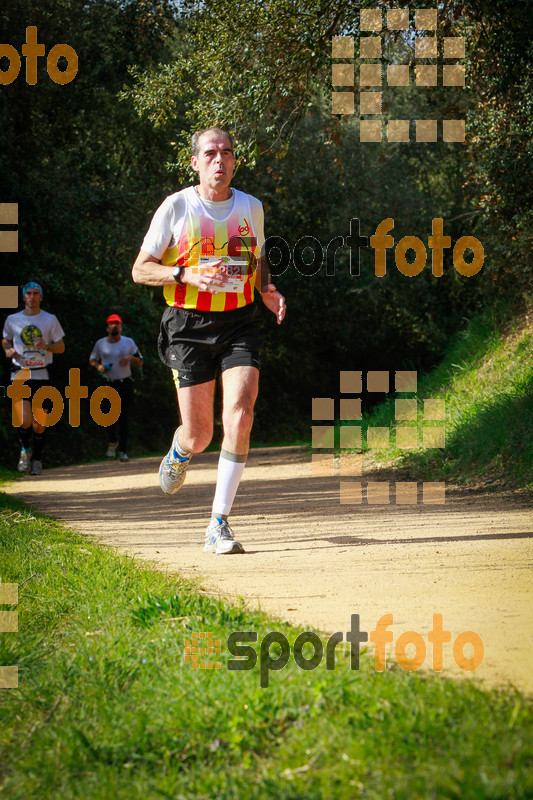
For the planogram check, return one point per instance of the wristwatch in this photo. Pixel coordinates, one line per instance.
(176, 274)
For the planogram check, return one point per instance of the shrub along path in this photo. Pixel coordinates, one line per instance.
(315, 562)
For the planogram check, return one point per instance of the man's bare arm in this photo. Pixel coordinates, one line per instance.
(263, 277)
(270, 296)
(149, 271)
(135, 361)
(96, 364)
(7, 347)
(56, 347)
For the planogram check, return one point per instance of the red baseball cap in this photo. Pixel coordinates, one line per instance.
(114, 318)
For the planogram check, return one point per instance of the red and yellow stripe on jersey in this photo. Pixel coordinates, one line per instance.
(202, 236)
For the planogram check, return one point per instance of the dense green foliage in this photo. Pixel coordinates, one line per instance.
(108, 707)
(87, 174)
(87, 163)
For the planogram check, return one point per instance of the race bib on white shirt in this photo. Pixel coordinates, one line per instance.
(33, 359)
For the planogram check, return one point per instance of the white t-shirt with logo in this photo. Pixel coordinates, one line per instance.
(23, 330)
(110, 353)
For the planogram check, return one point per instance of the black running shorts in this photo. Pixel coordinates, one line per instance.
(34, 386)
(195, 344)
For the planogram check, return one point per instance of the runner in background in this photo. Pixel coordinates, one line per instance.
(204, 248)
(113, 356)
(30, 339)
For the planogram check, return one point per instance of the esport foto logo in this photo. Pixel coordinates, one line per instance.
(309, 650)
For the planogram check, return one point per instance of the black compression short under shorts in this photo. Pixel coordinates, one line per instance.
(195, 344)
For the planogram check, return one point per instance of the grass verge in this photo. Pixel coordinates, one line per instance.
(8, 475)
(107, 708)
(486, 381)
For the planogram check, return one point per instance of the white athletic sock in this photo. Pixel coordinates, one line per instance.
(230, 469)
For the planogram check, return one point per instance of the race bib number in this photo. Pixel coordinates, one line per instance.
(31, 359)
(235, 268)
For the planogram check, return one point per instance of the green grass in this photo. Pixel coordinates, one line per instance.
(486, 380)
(8, 475)
(107, 707)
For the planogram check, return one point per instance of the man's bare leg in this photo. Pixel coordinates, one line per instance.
(31, 447)
(37, 450)
(240, 385)
(196, 410)
(193, 436)
(25, 437)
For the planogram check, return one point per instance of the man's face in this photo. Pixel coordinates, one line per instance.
(215, 162)
(114, 328)
(32, 299)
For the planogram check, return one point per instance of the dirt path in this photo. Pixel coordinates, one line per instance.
(315, 562)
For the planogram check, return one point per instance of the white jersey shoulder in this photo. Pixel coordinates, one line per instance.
(168, 221)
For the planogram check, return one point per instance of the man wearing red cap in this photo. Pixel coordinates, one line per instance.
(113, 356)
(30, 338)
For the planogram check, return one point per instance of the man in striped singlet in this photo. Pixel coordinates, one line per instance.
(204, 248)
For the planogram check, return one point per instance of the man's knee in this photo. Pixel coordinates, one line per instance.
(239, 416)
(195, 440)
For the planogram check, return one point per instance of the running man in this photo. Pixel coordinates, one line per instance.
(204, 247)
(30, 338)
(113, 357)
